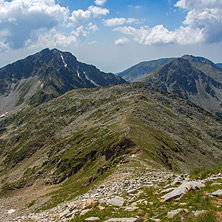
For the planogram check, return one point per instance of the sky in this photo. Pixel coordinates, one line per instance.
(111, 34)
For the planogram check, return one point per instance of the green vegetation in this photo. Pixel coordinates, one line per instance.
(76, 140)
(201, 173)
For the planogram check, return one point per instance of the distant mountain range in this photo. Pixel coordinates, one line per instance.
(140, 70)
(46, 75)
(194, 78)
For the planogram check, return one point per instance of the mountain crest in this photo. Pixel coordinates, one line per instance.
(46, 75)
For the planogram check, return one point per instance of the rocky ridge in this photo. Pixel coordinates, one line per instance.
(126, 191)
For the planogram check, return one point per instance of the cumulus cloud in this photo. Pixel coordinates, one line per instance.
(54, 38)
(25, 21)
(203, 23)
(100, 2)
(205, 15)
(119, 21)
(159, 34)
(21, 17)
(80, 15)
(92, 27)
(121, 41)
(98, 11)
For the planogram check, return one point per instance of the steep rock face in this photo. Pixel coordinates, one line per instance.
(82, 134)
(140, 70)
(46, 75)
(193, 78)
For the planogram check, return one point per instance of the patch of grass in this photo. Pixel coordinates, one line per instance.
(206, 217)
(31, 204)
(202, 173)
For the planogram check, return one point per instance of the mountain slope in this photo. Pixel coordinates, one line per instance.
(193, 78)
(142, 69)
(74, 139)
(46, 75)
(219, 65)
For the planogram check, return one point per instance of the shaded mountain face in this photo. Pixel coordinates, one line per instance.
(84, 133)
(142, 69)
(46, 75)
(193, 78)
(219, 65)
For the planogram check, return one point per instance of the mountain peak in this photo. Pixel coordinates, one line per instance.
(46, 75)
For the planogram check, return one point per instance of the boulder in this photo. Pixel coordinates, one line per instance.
(182, 189)
(116, 201)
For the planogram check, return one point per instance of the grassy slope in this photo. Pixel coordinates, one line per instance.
(76, 138)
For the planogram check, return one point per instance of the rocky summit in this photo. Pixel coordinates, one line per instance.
(86, 146)
(46, 75)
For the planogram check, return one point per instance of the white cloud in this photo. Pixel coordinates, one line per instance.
(80, 15)
(54, 38)
(100, 2)
(98, 11)
(92, 27)
(159, 34)
(119, 21)
(121, 41)
(22, 17)
(203, 23)
(205, 15)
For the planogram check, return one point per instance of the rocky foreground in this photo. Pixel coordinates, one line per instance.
(149, 195)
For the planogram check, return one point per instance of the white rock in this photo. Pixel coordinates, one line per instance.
(116, 201)
(11, 211)
(182, 189)
(217, 193)
(85, 211)
(64, 213)
(92, 219)
(173, 213)
(177, 180)
(131, 208)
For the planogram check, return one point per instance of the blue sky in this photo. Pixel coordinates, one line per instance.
(111, 34)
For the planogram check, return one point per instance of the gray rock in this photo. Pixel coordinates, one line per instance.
(131, 191)
(132, 208)
(182, 189)
(217, 193)
(173, 213)
(116, 201)
(64, 213)
(132, 219)
(92, 219)
(84, 212)
(102, 201)
(177, 180)
(167, 190)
